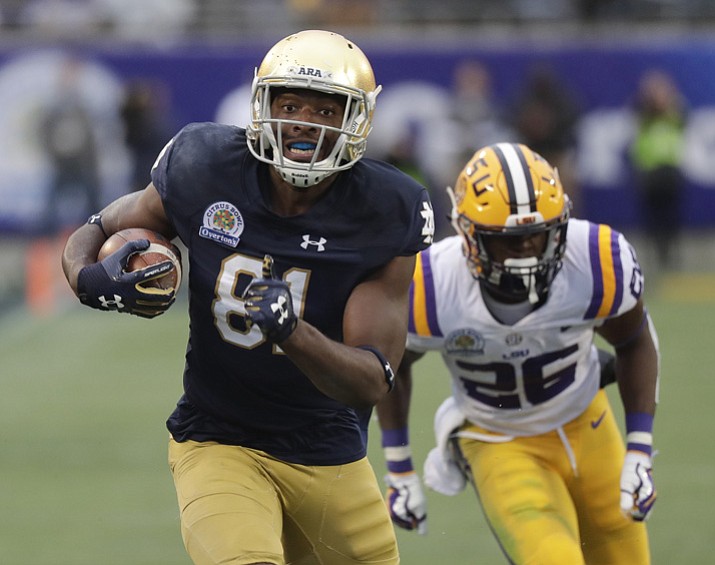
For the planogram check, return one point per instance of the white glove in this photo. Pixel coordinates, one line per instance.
(406, 501)
(443, 475)
(637, 487)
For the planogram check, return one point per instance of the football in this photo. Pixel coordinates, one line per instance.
(160, 249)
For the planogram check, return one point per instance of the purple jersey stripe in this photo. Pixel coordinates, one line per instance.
(617, 271)
(430, 300)
(594, 256)
(411, 318)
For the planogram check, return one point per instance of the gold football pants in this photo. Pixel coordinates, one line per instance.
(554, 499)
(241, 506)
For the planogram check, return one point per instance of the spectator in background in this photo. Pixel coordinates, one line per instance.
(61, 17)
(67, 136)
(124, 18)
(141, 18)
(334, 13)
(403, 155)
(656, 157)
(545, 119)
(146, 127)
(476, 114)
(471, 118)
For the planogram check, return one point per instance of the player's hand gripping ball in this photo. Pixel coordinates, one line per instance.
(269, 304)
(138, 272)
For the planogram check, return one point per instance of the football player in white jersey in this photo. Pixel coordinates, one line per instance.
(512, 303)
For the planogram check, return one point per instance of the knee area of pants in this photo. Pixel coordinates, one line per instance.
(556, 549)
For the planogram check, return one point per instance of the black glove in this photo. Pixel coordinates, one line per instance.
(107, 286)
(269, 305)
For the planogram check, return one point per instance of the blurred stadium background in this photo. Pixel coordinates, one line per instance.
(84, 477)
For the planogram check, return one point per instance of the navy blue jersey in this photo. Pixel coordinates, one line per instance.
(239, 388)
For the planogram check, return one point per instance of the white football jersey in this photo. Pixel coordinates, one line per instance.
(541, 372)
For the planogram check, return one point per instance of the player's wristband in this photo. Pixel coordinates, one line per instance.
(396, 448)
(96, 220)
(639, 432)
(389, 373)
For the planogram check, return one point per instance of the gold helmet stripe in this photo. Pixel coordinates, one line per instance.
(522, 198)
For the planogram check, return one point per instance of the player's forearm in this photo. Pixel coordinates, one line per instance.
(80, 250)
(350, 375)
(637, 375)
(393, 410)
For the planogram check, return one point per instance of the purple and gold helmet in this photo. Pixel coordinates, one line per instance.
(506, 189)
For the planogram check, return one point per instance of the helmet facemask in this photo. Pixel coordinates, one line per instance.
(514, 279)
(266, 133)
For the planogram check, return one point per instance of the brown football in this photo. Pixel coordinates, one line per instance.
(160, 249)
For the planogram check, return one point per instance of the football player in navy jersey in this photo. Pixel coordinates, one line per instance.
(512, 303)
(300, 259)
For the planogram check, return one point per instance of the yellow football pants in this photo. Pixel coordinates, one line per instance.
(542, 510)
(241, 506)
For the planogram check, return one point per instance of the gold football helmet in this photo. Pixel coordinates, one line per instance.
(322, 61)
(508, 190)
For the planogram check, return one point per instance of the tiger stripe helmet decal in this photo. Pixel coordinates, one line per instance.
(520, 185)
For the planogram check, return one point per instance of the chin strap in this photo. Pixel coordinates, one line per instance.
(525, 268)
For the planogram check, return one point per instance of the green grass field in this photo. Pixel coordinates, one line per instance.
(83, 472)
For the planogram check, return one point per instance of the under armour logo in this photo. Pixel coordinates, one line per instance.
(320, 243)
(279, 306)
(109, 304)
